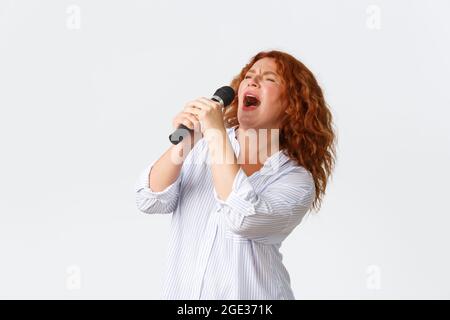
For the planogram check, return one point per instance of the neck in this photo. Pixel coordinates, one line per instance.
(257, 145)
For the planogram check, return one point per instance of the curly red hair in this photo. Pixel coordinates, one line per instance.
(306, 131)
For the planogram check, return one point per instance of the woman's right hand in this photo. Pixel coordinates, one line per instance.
(191, 121)
(188, 119)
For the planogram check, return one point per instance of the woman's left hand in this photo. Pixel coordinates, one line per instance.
(210, 115)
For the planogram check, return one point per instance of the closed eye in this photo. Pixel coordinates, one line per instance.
(248, 77)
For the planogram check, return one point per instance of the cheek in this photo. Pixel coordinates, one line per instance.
(273, 95)
(241, 87)
(275, 102)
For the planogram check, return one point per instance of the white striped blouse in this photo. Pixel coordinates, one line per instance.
(229, 249)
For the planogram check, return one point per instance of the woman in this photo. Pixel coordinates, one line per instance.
(231, 214)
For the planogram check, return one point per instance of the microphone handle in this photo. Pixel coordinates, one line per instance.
(178, 135)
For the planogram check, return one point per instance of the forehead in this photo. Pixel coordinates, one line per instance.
(265, 64)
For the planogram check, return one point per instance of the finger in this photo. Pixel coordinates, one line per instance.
(192, 104)
(199, 104)
(188, 123)
(192, 118)
(210, 102)
(192, 110)
(185, 121)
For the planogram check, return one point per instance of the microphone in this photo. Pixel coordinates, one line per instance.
(223, 95)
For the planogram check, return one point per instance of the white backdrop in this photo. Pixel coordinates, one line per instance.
(88, 90)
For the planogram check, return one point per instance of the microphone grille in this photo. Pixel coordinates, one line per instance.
(226, 93)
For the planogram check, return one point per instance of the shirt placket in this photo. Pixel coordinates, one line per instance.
(206, 247)
(205, 253)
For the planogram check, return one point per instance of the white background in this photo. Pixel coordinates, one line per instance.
(88, 90)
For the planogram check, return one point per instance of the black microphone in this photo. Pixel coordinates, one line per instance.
(223, 95)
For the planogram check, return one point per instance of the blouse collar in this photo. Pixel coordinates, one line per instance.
(273, 162)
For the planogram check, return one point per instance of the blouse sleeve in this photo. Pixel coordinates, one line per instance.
(149, 201)
(268, 216)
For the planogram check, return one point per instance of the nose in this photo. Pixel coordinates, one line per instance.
(254, 82)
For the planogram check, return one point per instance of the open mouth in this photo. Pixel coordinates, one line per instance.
(251, 101)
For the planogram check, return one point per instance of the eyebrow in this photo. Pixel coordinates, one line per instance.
(267, 72)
